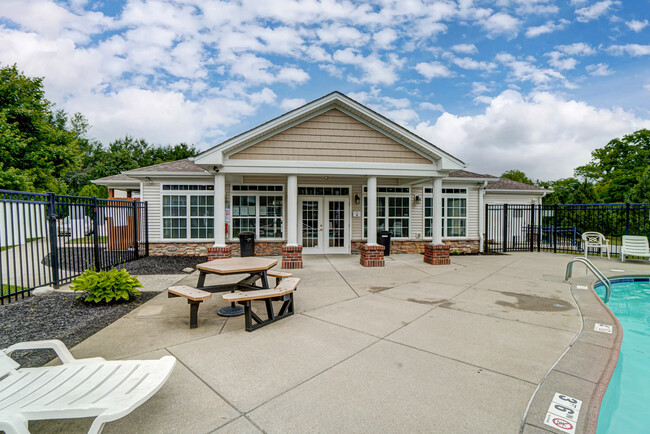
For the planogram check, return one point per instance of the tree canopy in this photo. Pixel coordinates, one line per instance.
(517, 175)
(45, 150)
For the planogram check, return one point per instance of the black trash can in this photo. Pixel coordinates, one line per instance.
(383, 239)
(247, 243)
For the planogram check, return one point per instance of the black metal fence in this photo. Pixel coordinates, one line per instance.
(49, 239)
(559, 228)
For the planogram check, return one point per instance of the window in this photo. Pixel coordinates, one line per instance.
(257, 211)
(454, 212)
(192, 211)
(326, 191)
(393, 211)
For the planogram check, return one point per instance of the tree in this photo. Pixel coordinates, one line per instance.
(569, 191)
(517, 175)
(35, 146)
(619, 166)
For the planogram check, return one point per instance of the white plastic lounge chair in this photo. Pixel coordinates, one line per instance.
(595, 240)
(77, 388)
(635, 245)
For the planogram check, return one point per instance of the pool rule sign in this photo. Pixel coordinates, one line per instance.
(563, 413)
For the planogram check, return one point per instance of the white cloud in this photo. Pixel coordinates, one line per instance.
(517, 132)
(548, 27)
(524, 70)
(646, 87)
(342, 35)
(594, 11)
(376, 71)
(636, 25)
(479, 88)
(431, 107)
(599, 70)
(384, 39)
(631, 49)
(557, 60)
(469, 63)
(292, 103)
(432, 70)
(465, 48)
(576, 49)
(502, 24)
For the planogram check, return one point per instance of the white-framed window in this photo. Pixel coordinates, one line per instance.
(454, 212)
(188, 211)
(393, 211)
(258, 209)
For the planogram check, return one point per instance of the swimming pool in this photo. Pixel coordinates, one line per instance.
(626, 405)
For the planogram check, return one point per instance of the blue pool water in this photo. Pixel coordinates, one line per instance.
(626, 405)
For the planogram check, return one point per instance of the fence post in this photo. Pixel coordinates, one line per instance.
(505, 227)
(486, 230)
(627, 218)
(136, 247)
(54, 247)
(539, 228)
(555, 228)
(532, 226)
(96, 234)
(146, 228)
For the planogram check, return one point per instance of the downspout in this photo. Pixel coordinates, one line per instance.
(481, 217)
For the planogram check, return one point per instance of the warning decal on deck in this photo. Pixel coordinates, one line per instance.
(603, 328)
(582, 287)
(563, 413)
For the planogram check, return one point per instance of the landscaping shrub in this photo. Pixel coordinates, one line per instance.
(108, 286)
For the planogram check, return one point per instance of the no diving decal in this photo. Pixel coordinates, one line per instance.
(563, 413)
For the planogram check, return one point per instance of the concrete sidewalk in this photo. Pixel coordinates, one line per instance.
(405, 348)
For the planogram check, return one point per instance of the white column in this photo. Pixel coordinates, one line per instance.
(219, 210)
(481, 216)
(372, 210)
(292, 211)
(437, 211)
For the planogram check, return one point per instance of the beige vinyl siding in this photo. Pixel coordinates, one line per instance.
(472, 211)
(417, 214)
(331, 136)
(151, 194)
(356, 229)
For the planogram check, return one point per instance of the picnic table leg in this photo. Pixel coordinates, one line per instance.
(194, 313)
(201, 282)
(265, 280)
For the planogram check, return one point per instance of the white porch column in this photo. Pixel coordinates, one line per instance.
(219, 210)
(372, 210)
(437, 211)
(292, 210)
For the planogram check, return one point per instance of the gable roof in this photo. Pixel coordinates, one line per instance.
(215, 155)
(120, 179)
(185, 167)
(468, 174)
(504, 184)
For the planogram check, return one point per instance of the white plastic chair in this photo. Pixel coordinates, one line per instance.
(78, 388)
(635, 245)
(595, 240)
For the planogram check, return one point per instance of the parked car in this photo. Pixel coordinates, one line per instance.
(65, 226)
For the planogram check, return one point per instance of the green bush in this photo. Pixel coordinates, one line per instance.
(108, 286)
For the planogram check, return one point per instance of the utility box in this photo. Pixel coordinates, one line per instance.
(383, 239)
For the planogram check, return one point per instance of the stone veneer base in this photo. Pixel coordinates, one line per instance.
(372, 256)
(437, 254)
(291, 257)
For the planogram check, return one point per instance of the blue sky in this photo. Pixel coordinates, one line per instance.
(534, 85)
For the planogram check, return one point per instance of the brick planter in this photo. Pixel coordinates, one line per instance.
(372, 256)
(224, 252)
(291, 257)
(436, 254)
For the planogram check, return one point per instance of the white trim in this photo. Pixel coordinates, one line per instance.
(530, 192)
(408, 195)
(188, 217)
(329, 168)
(444, 196)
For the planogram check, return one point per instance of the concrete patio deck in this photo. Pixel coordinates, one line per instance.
(406, 348)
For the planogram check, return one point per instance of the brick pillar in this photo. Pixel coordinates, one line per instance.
(291, 257)
(372, 256)
(436, 254)
(224, 252)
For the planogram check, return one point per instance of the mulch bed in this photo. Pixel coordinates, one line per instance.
(58, 316)
(163, 264)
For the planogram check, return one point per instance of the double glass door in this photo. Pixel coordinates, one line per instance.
(324, 224)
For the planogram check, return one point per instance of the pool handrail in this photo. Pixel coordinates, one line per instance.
(605, 281)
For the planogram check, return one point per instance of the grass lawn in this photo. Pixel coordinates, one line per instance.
(88, 239)
(10, 289)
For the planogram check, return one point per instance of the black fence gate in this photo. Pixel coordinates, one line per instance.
(49, 239)
(559, 228)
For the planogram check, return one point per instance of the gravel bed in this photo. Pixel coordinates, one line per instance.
(58, 316)
(163, 264)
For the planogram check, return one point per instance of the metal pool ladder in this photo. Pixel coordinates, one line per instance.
(604, 280)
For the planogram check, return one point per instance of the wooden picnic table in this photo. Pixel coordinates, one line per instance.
(255, 267)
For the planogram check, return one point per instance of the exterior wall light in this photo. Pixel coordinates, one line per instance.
(357, 199)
